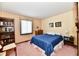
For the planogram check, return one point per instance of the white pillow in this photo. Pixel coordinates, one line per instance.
(58, 33)
(53, 33)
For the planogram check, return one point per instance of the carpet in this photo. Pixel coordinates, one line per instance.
(26, 49)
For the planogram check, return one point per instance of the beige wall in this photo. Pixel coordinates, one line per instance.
(18, 37)
(68, 24)
(67, 19)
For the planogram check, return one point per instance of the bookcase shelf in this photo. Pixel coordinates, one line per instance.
(7, 33)
(6, 26)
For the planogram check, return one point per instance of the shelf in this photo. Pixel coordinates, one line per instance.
(6, 19)
(6, 32)
(6, 26)
(8, 43)
(6, 38)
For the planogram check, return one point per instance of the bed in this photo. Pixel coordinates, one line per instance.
(46, 42)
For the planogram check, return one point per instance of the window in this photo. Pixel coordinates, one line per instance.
(26, 27)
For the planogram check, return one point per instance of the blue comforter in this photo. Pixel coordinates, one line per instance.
(46, 42)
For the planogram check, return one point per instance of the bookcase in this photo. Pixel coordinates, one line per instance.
(7, 32)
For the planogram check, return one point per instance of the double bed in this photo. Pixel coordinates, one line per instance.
(47, 42)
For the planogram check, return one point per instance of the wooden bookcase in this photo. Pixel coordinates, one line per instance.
(7, 32)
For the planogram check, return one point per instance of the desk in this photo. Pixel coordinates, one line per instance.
(8, 47)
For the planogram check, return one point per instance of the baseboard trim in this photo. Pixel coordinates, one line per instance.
(23, 42)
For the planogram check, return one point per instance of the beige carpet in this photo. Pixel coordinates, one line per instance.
(26, 49)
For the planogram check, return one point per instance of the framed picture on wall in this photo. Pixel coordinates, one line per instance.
(51, 24)
(58, 24)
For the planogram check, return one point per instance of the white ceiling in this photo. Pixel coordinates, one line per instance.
(37, 9)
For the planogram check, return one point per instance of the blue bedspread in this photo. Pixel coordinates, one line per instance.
(46, 42)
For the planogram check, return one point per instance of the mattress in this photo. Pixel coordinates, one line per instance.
(46, 42)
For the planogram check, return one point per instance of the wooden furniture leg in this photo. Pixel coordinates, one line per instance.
(15, 49)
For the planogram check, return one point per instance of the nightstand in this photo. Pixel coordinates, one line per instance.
(69, 40)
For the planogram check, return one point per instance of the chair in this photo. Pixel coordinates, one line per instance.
(3, 49)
